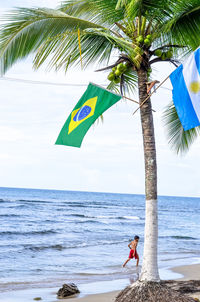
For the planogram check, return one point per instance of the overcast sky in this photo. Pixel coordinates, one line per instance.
(111, 156)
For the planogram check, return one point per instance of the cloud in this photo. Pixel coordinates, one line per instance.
(29, 3)
(111, 156)
(10, 134)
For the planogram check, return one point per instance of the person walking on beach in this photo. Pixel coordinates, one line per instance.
(133, 252)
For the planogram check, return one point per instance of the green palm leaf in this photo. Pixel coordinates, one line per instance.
(185, 23)
(147, 8)
(127, 86)
(96, 46)
(179, 139)
(30, 28)
(101, 11)
(105, 25)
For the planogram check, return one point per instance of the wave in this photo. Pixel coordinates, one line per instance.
(80, 216)
(184, 237)
(179, 237)
(119, 217)
(89, 221)
(21, 200)
(58, 247)
(28, 233)
(61, 247)
(5, 200)
(105, 217)
(33, 200)
(130, 217)
(26, 201)
(9, 215)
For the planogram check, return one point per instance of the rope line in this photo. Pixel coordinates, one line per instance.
(52, 83)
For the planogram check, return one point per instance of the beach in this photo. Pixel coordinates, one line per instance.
(49, 238)
(189, 272)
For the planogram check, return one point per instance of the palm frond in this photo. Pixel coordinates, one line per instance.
(158, 9)
(101, 11)
(96, 47)
(185, 23)
(179, 139)
(128, 86)
(30, 28)
(130, 82)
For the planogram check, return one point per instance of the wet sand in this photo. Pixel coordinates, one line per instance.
(189, 272)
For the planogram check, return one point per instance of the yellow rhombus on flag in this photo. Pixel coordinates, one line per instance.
(92, 104)
(87, 109)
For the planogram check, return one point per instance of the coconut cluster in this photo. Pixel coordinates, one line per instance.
(164, 54)
(117, 71)
(146, 41)
(141, 43)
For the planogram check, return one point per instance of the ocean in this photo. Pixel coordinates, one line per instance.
(51, 237)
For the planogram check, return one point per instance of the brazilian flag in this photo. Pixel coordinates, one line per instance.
(92, 104)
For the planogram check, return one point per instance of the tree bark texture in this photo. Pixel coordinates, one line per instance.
(149, 265)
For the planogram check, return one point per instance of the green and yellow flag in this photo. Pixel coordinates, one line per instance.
(92, 104)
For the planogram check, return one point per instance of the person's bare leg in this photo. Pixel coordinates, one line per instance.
(137, 261)
(126, 262)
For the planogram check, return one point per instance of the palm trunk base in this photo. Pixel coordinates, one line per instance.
(141, 291)
(149, 264)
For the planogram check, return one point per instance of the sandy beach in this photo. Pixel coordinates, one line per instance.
(189, 272)
(105, 297)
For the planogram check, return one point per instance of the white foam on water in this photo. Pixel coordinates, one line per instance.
(132, 217)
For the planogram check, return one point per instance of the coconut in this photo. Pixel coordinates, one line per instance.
(125, 66)
(117, 80)
(158, 52)
(149, 71)
(147, 42)
(111, 76)
(163, 56)
(149, 37)
(118, 72)
(169, 54)
(140, 39)
(121, 67)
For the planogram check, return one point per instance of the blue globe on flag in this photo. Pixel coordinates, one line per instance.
(82, 113)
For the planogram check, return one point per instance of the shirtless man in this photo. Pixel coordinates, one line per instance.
(133, 252)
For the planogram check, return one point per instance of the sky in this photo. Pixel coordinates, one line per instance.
(111, 156)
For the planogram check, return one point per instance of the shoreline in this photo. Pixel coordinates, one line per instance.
(186, 273)
(104, 297)
(189, 272)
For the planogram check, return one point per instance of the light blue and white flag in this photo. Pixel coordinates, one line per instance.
(186, 91)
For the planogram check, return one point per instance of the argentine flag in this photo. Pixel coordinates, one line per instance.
(186, 91)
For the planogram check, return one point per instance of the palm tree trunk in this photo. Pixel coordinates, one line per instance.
(149, 265)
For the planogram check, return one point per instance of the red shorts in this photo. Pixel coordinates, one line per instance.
(133, 254)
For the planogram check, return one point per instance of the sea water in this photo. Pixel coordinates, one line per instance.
(51, 237)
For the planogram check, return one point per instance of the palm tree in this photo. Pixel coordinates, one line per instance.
(140, 33)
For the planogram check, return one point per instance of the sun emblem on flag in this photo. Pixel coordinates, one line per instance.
(195, 87)
(81, 114)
